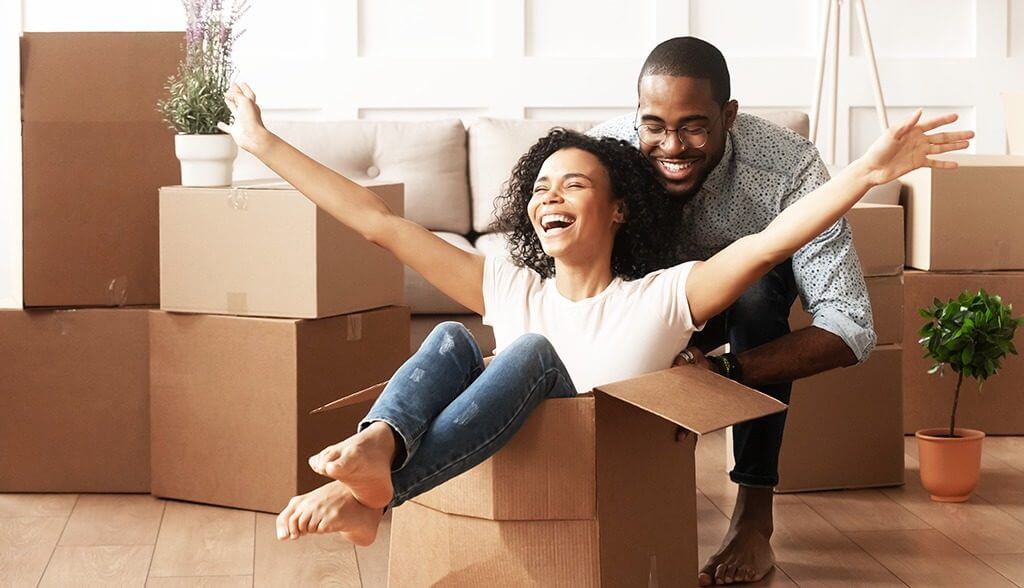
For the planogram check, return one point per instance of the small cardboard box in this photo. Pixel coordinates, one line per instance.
(969, 218)
(231, 398)
(886, 294)
(878, 237)
(74, 400)
(998, 408)
(598, 489)
(844, 427)
(94, 153)
(261, 248)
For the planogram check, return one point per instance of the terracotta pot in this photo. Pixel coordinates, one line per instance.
(949, 465)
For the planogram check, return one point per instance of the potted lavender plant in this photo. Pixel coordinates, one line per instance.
(195, 101)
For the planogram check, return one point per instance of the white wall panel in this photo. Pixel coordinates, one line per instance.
(102, 15)
(1016, 28)
(589, 113)
(864, 124)
(783, 28)
(576, 28)
(414, 29)
(468, 115)
(10, 156)
(918, 28)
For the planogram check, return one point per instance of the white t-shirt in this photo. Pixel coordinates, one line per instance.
(631, 328)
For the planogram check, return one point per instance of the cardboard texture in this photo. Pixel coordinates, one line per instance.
(844, 427)
(998, 408)
(74, 400)
(94, 152)
(231, 399)
(968, 218)
(886, 294)
(878, 238)
(566, 501)
(264, 249)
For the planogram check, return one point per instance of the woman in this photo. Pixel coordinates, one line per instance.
(579, 308)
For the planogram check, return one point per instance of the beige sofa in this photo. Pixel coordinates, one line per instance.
(451, 175)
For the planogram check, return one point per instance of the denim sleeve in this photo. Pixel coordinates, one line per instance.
(828, 272)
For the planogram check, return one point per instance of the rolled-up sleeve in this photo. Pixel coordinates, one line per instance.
(828, 272)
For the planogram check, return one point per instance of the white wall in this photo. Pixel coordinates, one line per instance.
(551, 59)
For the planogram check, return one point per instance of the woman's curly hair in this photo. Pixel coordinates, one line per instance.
(645, 241)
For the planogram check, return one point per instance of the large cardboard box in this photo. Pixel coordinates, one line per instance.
(844, 427)
(74, 400)
(878, 237)
(998, 408)
(231, 398)
(968, 218)
(886, 294)
(261, 248)
(95, 151)
(594, 490)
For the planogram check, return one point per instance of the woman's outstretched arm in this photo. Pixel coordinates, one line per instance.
(457, 273)
(714, 285)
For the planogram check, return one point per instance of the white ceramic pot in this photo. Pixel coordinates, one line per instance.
(206, 160)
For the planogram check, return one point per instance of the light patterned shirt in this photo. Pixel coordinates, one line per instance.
(764, 169)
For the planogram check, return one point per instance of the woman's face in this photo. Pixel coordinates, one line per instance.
(572, 209)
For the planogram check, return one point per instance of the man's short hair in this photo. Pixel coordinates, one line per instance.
(690, 57)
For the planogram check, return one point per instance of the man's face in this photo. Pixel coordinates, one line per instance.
(674, 102)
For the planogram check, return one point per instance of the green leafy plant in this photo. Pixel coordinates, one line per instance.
(972, 334)
(195, 102)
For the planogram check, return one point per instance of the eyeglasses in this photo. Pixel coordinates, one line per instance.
(655, 135)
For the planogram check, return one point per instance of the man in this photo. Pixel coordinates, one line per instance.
(737, 172)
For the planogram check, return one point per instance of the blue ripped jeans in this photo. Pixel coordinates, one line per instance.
(450, 413)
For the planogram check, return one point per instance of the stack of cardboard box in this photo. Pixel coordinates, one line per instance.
(964, 233)
(288, 310)
(843, 429)
(74, 375)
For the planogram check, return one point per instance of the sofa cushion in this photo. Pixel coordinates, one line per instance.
(495, 145)
(423, 298)
(794, 120)
(428, 157)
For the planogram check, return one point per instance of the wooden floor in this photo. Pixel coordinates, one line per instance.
(889, 537)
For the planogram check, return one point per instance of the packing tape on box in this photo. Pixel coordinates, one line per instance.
(238, 303)
(117, 291)
(238, 200)
(355, 327)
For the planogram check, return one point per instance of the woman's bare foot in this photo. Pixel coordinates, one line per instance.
(331, 508)
(746, 554)
(363, 463)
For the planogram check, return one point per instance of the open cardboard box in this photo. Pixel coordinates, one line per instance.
(598, 489)
(229, 251)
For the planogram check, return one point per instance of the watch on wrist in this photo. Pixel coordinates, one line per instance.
(728, 365)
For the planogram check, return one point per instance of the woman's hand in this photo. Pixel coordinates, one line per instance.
(247, 129)
(906, 147)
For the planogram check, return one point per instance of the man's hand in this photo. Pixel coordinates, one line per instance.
(247, 129)
(906, 147)
(698, 359)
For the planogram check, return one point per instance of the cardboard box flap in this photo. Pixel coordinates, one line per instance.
(364, 395)
(693, 398)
